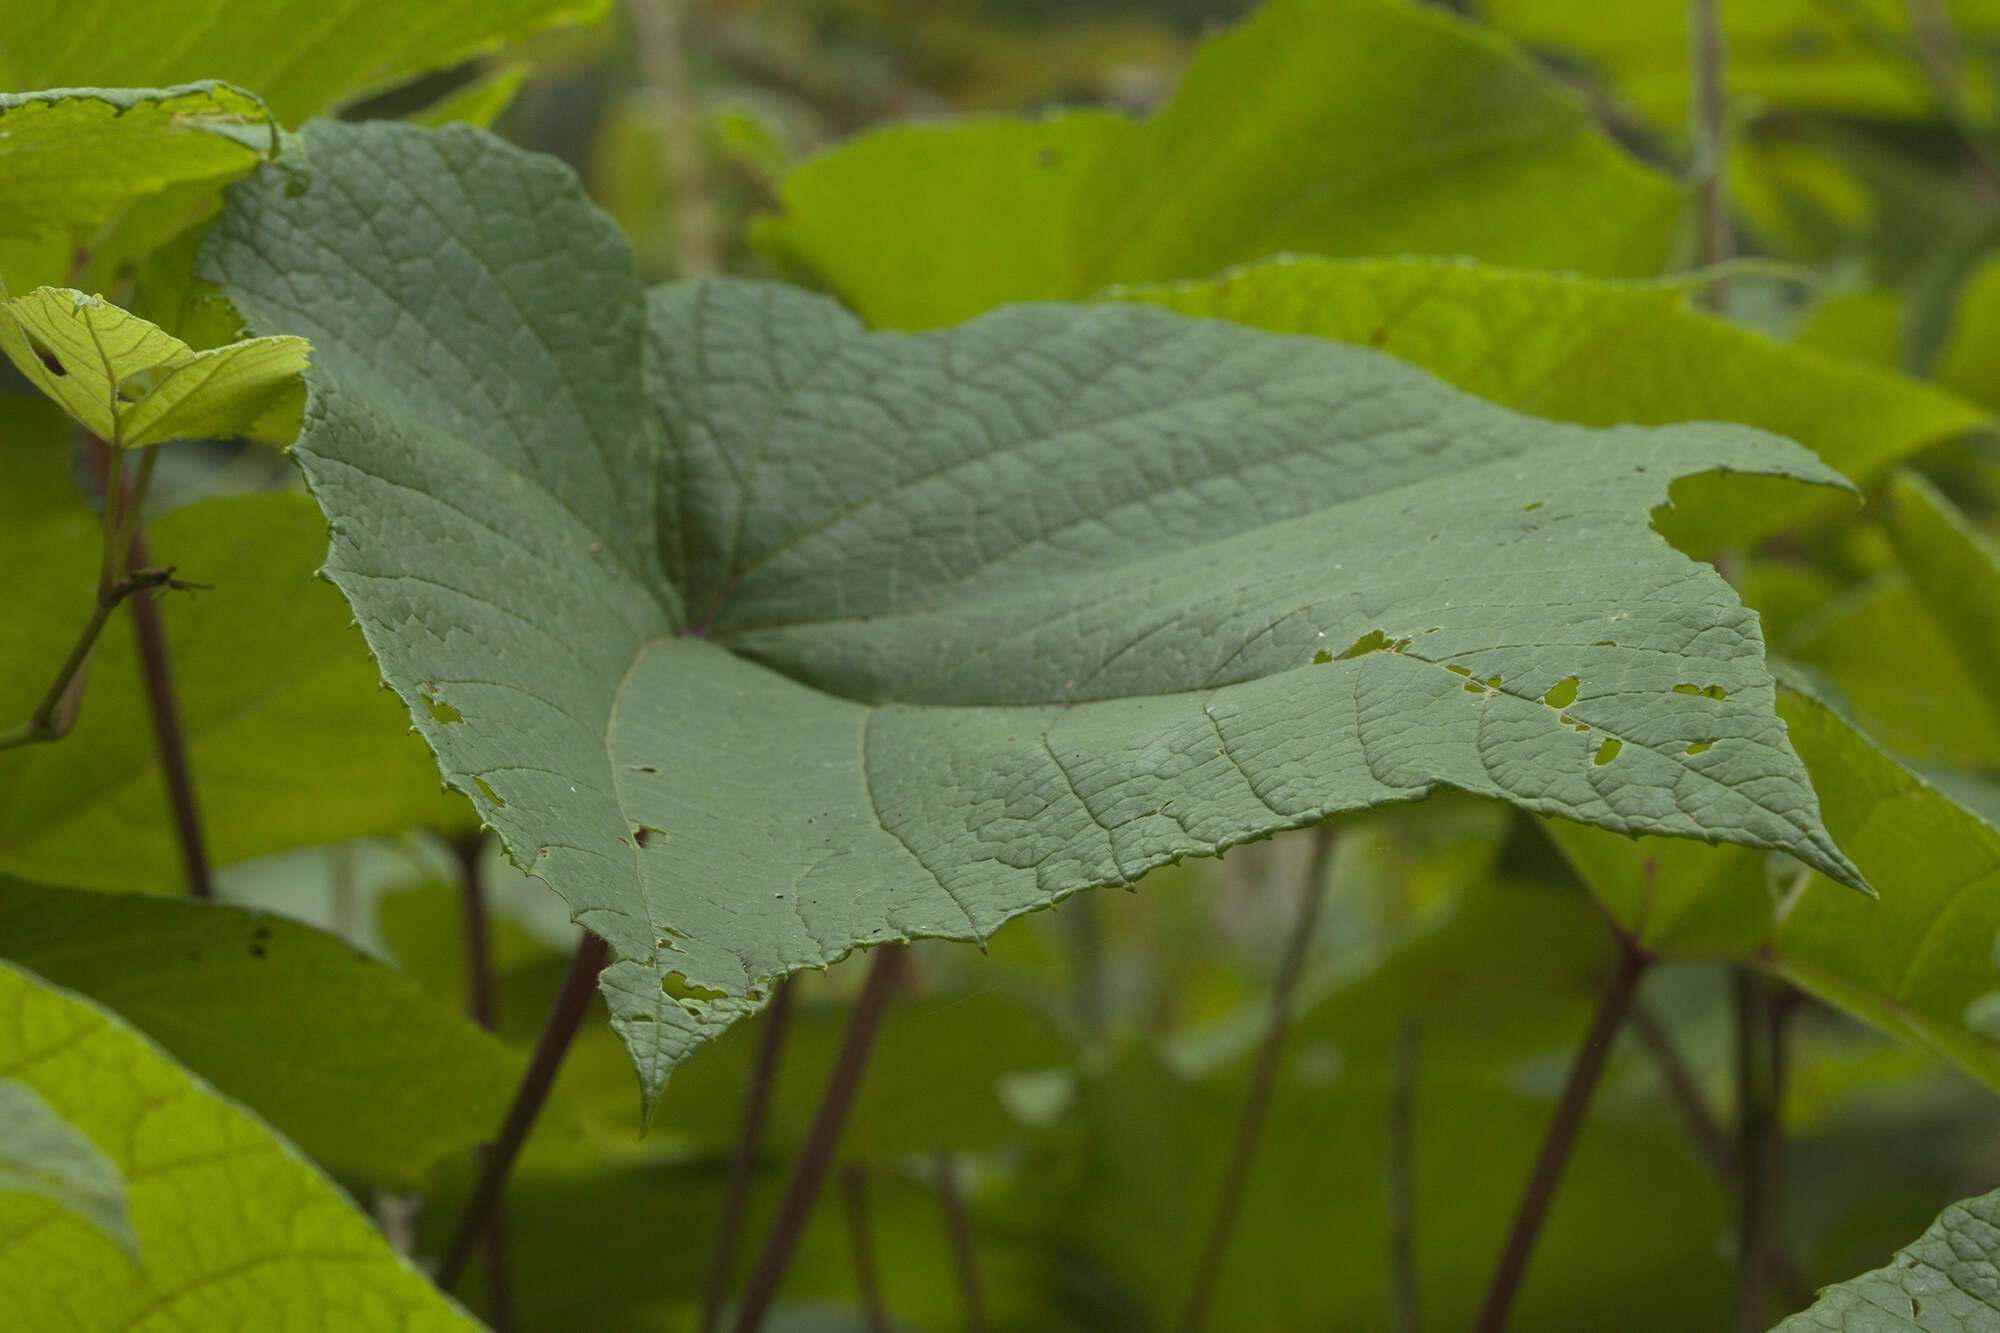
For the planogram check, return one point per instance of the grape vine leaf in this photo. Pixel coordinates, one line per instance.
(1947, 1281)
(289, 740)
(1600, 352)
(42, 1153)
(395, 1079)
(298, 55)
(72, 157)
(762, 637)
(131, 383)
(1312, 126)
(236, 1228)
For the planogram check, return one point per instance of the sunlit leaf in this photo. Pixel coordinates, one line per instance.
(71, 157)
(43, 1154)
(235, 1228)
(1313, 126)
(131, 383)
(298, 55)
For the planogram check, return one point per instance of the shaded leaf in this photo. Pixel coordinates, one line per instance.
(289, 741)
(236, 1228)
(341, 1053)
(1600, 353)
(1891, 665)
(71, 157)
(131, 383)
(298, 55)
(1954, 570)
(1312, 126)
(795, 638)
(1918, 962)
(1946, 1282)
(479, 102)
(42, 1153)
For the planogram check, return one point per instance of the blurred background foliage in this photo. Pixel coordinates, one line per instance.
(1082, 1074)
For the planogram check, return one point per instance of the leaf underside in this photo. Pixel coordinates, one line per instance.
(761, 637)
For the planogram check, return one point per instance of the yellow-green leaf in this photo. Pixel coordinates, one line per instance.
(131, 383)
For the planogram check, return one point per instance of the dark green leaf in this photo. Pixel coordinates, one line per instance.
(338, 1051)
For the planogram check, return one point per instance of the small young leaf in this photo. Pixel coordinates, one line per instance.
(131, 383)
(42, 1153)
(896, 635)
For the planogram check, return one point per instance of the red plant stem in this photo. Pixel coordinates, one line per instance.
(756, 1106)
(964, 1258)
(817, 1155)
(1759, 1079)
(1564, 1126)
(168, 736)
(479, 1007)
(564, 1019)
(856, 1182)
(1249, 1128)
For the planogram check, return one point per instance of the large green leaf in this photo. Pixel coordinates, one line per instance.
(71, 157)
(1313, 126)
(341, 1053)
(1599, 352)
(762, 637)
(237, 1230)
(288, 740)
(1948, 1281)
(298, 55)
(1918, 962)
(42, 1153)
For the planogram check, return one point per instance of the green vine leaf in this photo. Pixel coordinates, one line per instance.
(43, 1154)
(762, 637)
(131, 383)
(1312, 126)
(229, 1217)
(1948, 1281)
(72, 157)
